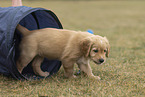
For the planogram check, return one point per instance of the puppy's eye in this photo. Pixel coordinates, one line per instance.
(105, 50)
(95, 51)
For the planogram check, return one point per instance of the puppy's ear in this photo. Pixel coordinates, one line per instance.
(108, 46)
(108, 51)
(85, 46)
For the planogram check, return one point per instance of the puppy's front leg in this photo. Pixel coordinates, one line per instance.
(87, 69)
(68, 68)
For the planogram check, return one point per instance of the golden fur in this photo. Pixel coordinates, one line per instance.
(67, 46)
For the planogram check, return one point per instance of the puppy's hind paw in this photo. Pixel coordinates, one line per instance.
(45, 74)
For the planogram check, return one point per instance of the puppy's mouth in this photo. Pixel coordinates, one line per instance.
(98, 63)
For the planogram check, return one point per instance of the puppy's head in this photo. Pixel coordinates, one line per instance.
(96, 48)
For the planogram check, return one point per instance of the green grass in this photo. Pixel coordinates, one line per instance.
(123, 23)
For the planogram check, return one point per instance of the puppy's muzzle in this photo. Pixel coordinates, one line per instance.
(100, 61)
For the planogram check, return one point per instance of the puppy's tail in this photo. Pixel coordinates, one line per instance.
(23, 30)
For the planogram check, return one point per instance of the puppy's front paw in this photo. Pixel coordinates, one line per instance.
(95, 77)
(70, 77)
(74, 76)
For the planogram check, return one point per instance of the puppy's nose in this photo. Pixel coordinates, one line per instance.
(101, 60)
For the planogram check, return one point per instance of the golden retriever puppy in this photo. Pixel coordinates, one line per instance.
(67, 46)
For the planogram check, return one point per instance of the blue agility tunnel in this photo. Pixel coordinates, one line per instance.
(31, 18)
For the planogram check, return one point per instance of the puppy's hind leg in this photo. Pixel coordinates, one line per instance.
(23, 61)
(28, 50)
(36, 65)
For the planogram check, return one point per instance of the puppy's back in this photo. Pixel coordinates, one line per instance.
(51, 41)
